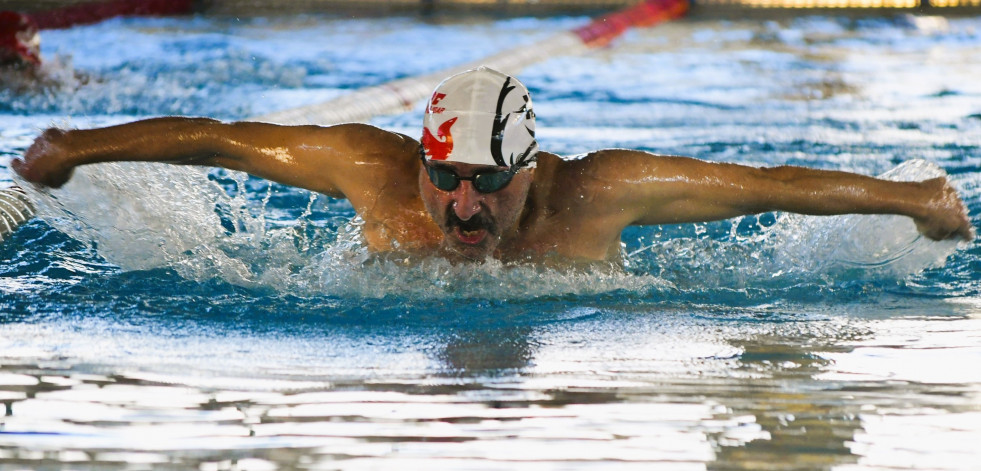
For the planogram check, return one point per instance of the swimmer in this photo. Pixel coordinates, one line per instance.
(21, 71)
(20, 44)
(476, 186)
(20, 52)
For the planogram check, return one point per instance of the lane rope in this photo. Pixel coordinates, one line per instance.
(400, 95)
(15, 209)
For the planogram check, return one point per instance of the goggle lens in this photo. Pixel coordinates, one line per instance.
(491, 181)
(484, 182)
(443, 179)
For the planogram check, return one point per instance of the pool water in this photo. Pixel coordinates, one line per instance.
(162, 318)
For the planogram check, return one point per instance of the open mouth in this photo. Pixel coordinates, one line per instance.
(472, 231)
(470, 237)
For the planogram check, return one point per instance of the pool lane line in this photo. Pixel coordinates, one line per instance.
(15, 209)
(400, 95)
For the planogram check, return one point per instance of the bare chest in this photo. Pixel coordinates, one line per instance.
(404, 230)
(562, 238)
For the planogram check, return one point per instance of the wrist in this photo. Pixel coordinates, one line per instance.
(918, 199)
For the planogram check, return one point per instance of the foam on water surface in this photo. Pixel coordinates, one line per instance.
(146, 216)
(875, 246)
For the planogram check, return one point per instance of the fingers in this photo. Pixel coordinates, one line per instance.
(948, 220)
(961, 224)
(43, 162)
(23, 169)
(966, 232)
(959, 229)
(32, 171)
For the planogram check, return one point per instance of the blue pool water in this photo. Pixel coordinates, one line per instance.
(162, 318)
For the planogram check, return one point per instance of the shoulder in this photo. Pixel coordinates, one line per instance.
(368, 135)
(353, 137)
(356, 143)
(567, 183)
(373, 142)
(613, 160)
(577, 202)
(600, 167)
(601, 183)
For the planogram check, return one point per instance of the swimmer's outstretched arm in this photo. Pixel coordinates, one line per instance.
(648, 189)
(339, 161)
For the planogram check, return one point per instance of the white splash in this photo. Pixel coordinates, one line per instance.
(142, 216)
(880, 245)
(145, 216)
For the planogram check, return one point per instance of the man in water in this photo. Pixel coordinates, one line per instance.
(477, 186)
(20, 59)
(20, 45)
(20, 52)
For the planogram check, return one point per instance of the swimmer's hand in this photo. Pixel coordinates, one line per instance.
(46, 162)
(945, 215)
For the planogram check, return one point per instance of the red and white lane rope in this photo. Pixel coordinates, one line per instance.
(402, 94)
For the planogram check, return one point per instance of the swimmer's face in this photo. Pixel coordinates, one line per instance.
(21, 44)
(473, 222)
(31, 44)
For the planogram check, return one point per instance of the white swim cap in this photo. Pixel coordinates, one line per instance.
(483, 117)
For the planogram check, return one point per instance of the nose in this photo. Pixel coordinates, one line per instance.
(466, 201)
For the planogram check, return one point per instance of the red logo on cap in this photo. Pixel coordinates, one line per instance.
(432, 104)
(438, 148)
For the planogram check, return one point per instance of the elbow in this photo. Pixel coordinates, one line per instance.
(761, 190)
(208, 142)
(783, 175)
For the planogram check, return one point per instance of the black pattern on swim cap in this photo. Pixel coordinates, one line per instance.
(500, 124)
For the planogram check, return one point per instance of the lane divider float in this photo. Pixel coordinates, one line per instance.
(400, 95)
(15, 209)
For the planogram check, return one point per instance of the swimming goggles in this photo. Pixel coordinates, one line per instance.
(484, 181)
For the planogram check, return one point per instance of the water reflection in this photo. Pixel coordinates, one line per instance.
(810, 419)
(477, 353)
(641, 385)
